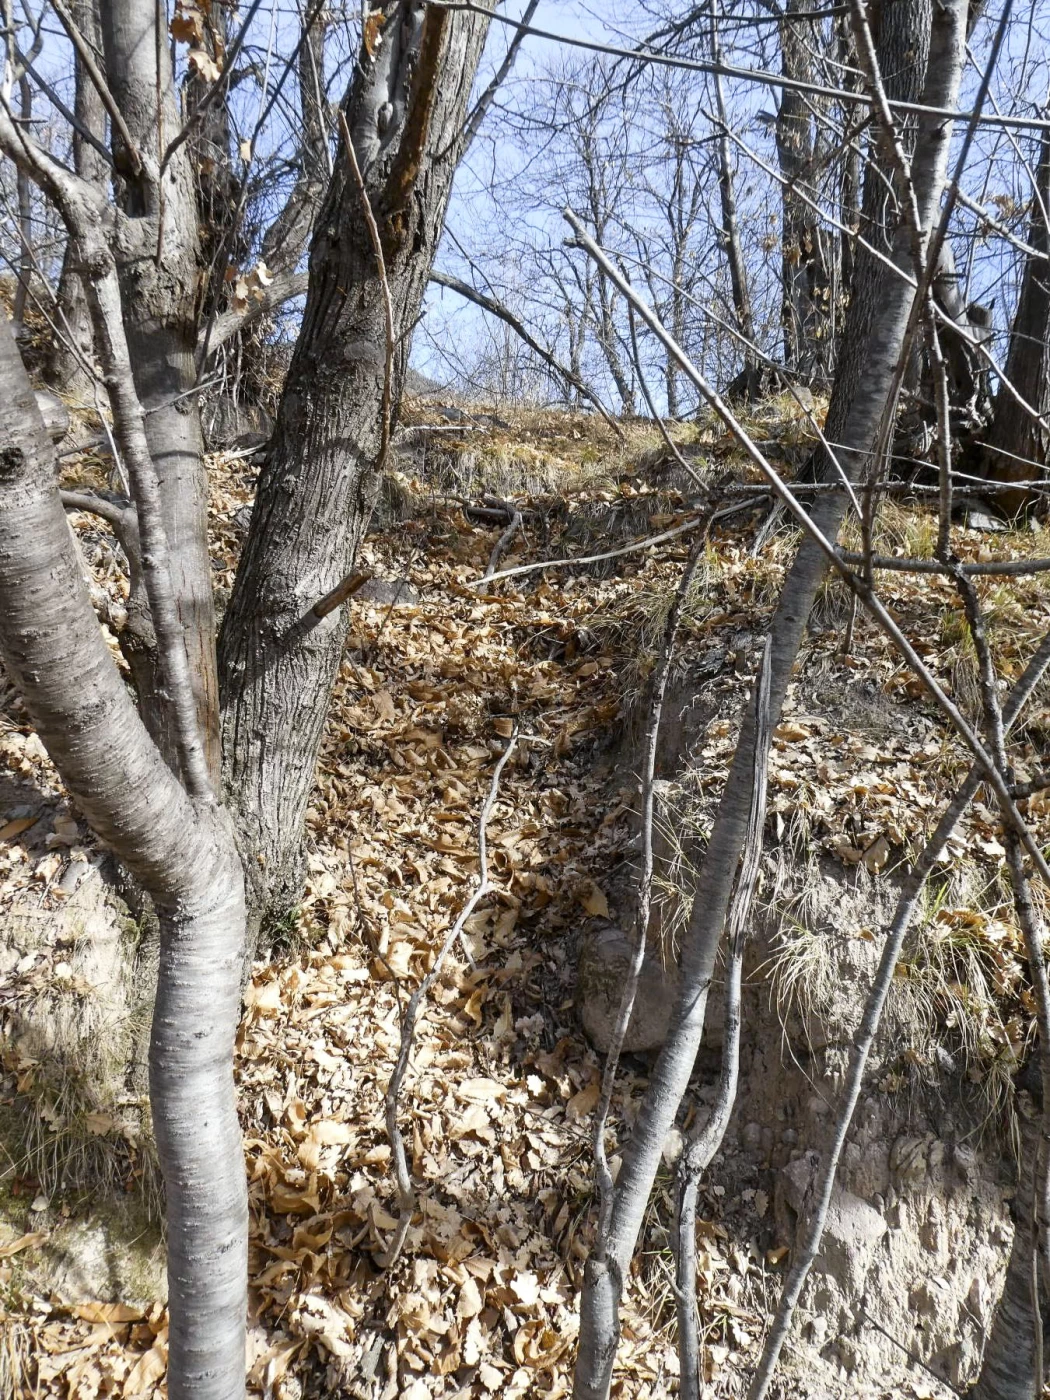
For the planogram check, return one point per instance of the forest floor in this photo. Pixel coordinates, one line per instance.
(497, 1103)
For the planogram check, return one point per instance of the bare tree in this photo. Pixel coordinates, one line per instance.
(405, 115)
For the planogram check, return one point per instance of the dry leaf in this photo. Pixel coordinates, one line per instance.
(584, 1102)
(187, 24)
(202, 63)
(470, 1301)
(16, 827)
(146, 1372)
(594, 901)
(876, 856)
(107, 1312)
(30, 1241)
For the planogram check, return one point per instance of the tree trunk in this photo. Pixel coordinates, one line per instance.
(878, 319)
(405, 113)
(75, 352)
(157, 249)
(730, 230)
(181, 851)
(806, 300)
(1017, 447)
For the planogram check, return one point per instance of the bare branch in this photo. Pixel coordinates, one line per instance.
(706, 1136)
(284, 287)
(497, 308)
(472, 125)
(406, 1190)
(91, 68)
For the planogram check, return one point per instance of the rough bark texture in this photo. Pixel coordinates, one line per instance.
(878, 319)
(71, 354)
(405, 112)
(1017, 446)
(807, 248)
(157, 249)
(182, 852)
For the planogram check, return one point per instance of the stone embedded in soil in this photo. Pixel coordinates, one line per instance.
(604, 965)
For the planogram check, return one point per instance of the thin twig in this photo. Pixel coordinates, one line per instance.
(406, 1191)
(672, 446)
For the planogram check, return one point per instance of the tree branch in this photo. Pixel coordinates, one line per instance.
(284, 287)
(91, 68)
(497, 309)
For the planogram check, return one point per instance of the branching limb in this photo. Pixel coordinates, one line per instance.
(83, 210)
(91, 68)
(406, 1191)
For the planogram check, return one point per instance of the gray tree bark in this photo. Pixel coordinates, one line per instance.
(805, 245)
(157, 250)
(181, 851)
(405, 112)
(878, 319)
(75, 350)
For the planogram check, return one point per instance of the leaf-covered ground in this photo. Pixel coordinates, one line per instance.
(502, 1084)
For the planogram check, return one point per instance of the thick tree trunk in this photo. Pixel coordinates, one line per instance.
(406, 113)
(181, 851)
(74, 352)
(158, 258)
(878, 319)
(1017, 446)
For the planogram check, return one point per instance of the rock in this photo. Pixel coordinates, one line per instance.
(604, 965)
(54, 413)
(853, 1229)
(388, 592)
(106, 1258)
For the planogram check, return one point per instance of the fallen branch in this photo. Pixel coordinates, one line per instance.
(406, 1191)
(502, 544)
(633, 548)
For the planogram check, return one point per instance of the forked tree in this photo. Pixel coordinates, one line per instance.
(149, 773)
